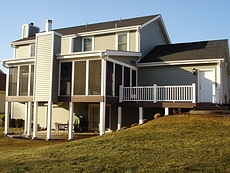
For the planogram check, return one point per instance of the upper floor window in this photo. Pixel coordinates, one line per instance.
(122, 42)
(87, 44)
(32, 50)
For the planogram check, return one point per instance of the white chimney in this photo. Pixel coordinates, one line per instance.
(48, 25)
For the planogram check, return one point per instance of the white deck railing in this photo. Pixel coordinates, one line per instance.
(158, 93)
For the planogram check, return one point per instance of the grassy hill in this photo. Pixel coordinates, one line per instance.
(168, 144)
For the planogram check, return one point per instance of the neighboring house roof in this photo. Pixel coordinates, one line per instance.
(100, 26)
(2, 81)
(187, 51)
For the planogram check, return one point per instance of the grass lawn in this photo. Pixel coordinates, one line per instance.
(168, 144)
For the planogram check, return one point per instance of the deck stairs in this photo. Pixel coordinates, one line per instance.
(210, 108)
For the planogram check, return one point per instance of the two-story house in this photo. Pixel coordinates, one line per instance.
(109, 73)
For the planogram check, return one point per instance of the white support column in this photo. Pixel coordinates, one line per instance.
(193, 93)
(29, 120)
(7, 118)
(140, 115)
(166, 111)
(154, 93)
(35, 126)
(71, 108)
(119, 118)
(102, 118)
(26, 118)
(49, 121)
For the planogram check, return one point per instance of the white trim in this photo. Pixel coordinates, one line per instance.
(29, 80)
(18, 43)
(101, 53)
(14, 54)
(163, 25)
(47, 33)
(59, 78)
(70, 130)
(150, 21)
(87, 78)
(128, 41)
(138, 40)
(19, 61)
(72, 80)
(18, 81)
(35, 120)
(7, 81)
(181, 62)
(71, 44)
(123, 75)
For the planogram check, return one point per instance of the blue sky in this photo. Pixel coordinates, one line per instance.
(185, 20)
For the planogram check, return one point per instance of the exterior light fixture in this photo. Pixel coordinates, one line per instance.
(194, 71)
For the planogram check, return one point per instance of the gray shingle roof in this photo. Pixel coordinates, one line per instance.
(100, 26)
(187, 51)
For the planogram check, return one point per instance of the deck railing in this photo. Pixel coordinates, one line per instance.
(158, 93)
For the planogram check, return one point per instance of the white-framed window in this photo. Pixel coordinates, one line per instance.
(88, 44)
(122, 41)
(32, 50)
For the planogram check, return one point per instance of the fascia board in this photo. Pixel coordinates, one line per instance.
(32, 41)
(187, 62)
(19, 61)
(163, 24)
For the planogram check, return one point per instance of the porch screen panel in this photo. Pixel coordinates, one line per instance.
(23, 80)
(127, 77)
(134, 79)
(13, 74)
(79, 78)
(94, 77)
(65, 80)
(32, 80)
(109, 78)
(118, 78)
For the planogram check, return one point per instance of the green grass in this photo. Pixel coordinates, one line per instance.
(168, 144)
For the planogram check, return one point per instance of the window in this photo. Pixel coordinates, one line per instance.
(32, 50)
(87, 44)
(76, 44)
(122, 42)
(65, 81)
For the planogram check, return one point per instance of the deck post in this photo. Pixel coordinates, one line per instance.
(71, 108)
(193, 93)
(35, 121)
(26, 118)
(166, 111)
(29, 120)
(49, 121)
(102, 118)
(155, 93)
(120, 93)
(7, 118)
(119, 118)
(140, 115)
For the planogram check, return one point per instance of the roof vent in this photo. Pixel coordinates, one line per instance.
(86, 24)
(48, 25)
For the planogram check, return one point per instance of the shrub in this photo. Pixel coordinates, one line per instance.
(144, 121)
(12, 122)
(134, 124)
(123, 128)
(157, 115)
(19, 123)
(3, 118)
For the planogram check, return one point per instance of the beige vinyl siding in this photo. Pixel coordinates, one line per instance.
(150, 37)
(132, 41)
(43, 68)
(103, 42)
(57, 49)
(22, 51)
(65, 45)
